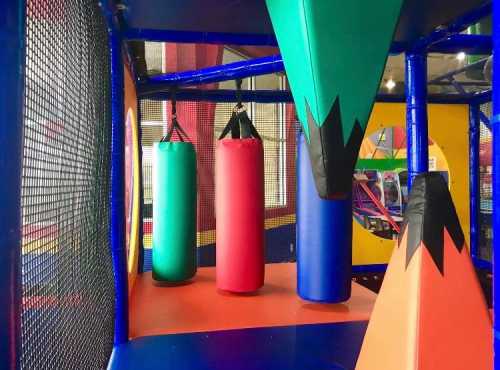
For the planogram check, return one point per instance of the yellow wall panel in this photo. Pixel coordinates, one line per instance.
(449, 129)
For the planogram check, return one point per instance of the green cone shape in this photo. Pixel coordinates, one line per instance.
(174, 211)
(334, 53)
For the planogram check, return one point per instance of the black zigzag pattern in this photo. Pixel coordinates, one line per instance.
(332, 161)
(430, 209)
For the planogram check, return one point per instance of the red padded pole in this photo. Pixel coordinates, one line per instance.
(239, 197)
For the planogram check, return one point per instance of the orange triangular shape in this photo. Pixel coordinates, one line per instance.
(427, 319)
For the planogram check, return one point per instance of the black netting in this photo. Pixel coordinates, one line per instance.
(68, 291)
(485, 189)
(204, 121)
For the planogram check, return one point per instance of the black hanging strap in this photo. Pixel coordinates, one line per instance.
(175, 126)
(233, 125)
(234, 121)
(247, 128)
(240, 124)
(239, 104)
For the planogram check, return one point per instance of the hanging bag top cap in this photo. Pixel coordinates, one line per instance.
(240, 124)
(175, 126)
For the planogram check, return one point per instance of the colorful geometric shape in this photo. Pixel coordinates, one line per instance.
(334, 54)
(431, 312)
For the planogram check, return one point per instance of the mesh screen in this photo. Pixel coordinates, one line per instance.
(68, 292)
(153, 53)
(204, 121)
(485, 190)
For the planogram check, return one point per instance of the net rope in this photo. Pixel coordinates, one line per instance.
(67, 280)
(485, 189)
(204, 122)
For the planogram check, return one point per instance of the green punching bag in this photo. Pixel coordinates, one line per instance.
(174, 209)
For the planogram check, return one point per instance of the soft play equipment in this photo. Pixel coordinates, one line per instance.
(324, 234)
(174, 208)
(239, 195)
(430, 313)
(332, 84)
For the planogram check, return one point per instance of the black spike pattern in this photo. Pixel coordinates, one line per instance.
(430, 209)
(332, 161)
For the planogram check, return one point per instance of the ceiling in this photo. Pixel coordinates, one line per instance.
(418, 17)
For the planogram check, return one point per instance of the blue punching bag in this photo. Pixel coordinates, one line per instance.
(324, 238)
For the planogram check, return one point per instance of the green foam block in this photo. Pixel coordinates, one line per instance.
(334, 52)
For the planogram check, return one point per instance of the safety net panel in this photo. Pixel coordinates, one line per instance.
(485, 189)
(203, 122)
(67, 279)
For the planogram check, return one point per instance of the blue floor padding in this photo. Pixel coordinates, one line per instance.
(316, 347)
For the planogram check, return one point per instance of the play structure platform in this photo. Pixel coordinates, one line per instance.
(196, 326)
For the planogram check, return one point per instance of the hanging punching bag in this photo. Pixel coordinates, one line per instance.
(324, 238)
(239, 194)
(174, 209)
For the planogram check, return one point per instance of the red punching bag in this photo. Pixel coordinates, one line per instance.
(239, 194)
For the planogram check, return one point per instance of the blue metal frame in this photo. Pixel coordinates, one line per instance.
(495, 123)
(200, 37)
(442, 33)
(476, 117)
(281, 96)
(446, 35)
(140, 264)
(474, 132)
(12, 62)
(360, 269)
(469, 44)
(416, 115)
(482, 264)
(481, 98)
(223, 96)
(443, 40)
(240, 70)
(485, 120)
(449, 76)
(230, 71)
(118, 189)
(117, 225)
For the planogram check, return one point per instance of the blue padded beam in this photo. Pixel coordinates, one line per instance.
(495, 123)
(12, 63)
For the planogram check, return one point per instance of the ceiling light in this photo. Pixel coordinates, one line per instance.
(390, 84)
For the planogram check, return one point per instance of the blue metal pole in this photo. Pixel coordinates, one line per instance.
(225, 72)
(118, 251)
(12, 62)
(194, 37)
(416, 115)
(482, 97)
(470, 44)
(474, 124)
(280, 96)
(495, 122)
(460, 24)
(224, 96)
(140, 264)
